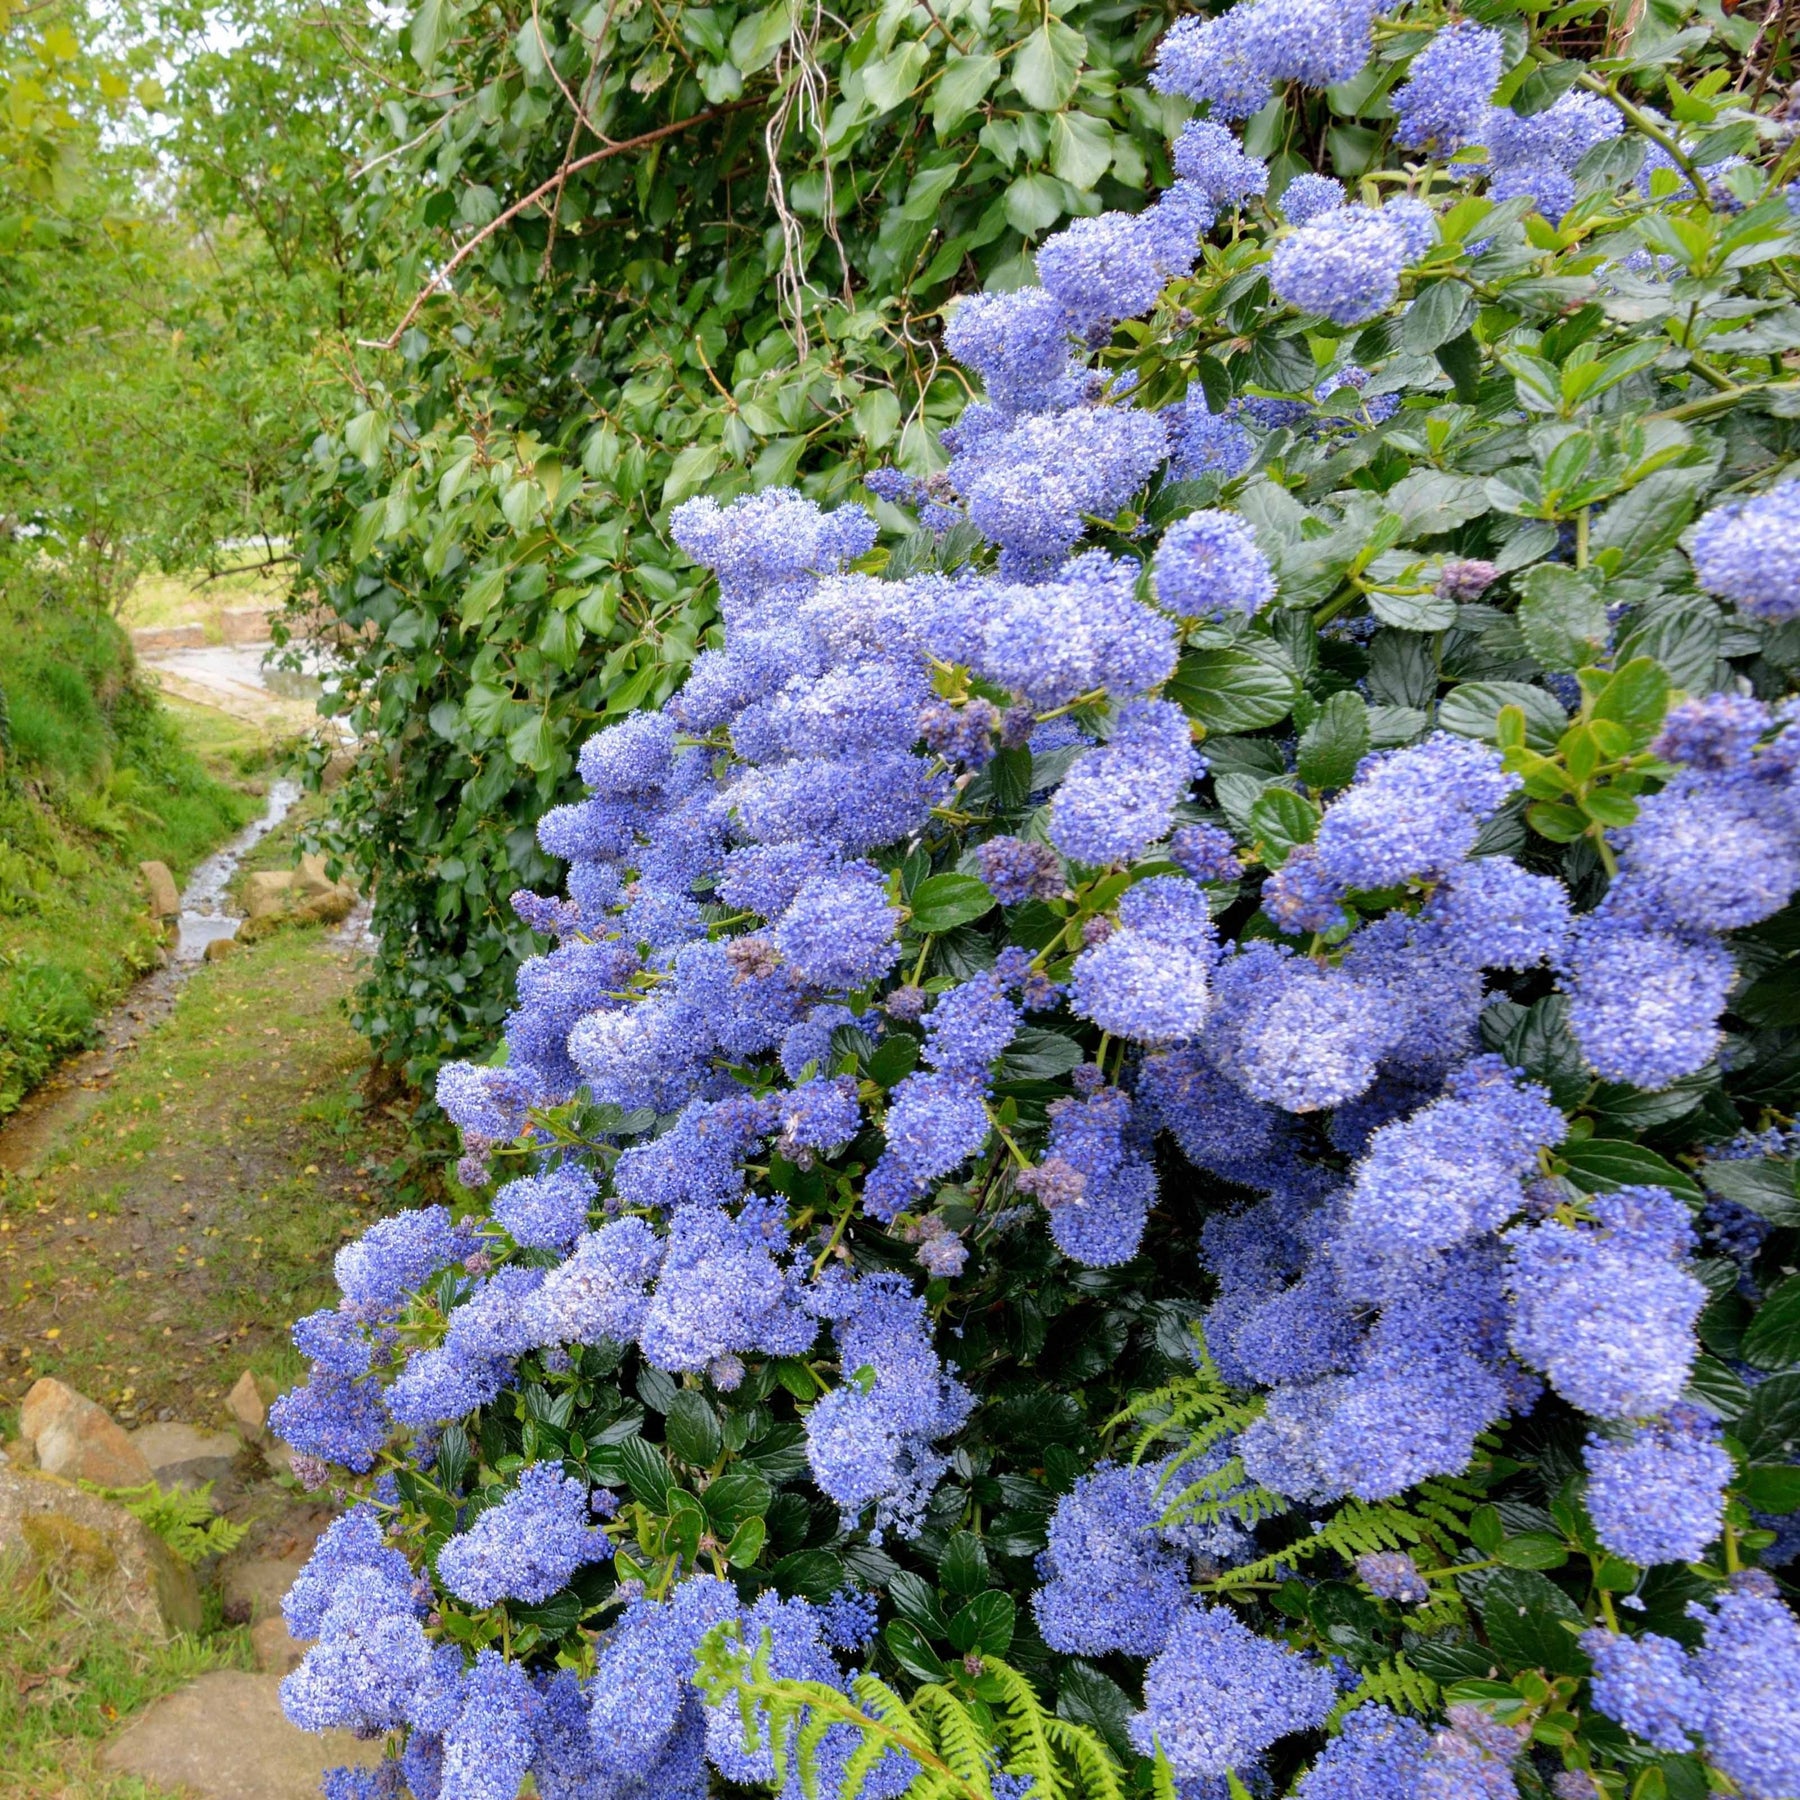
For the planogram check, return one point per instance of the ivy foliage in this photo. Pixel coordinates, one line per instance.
(490, 515)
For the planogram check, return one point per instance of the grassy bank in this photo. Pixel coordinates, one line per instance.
(96, 775)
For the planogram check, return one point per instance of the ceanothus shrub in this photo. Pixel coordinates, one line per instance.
(1104, 1189)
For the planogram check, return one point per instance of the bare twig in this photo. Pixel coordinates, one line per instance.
(556, 181)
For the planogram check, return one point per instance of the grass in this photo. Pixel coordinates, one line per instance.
(95, 776)
(68, 1675)
(160, 599)
(171, 1238)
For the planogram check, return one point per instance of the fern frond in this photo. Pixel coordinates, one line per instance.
(1096, 1771)
(1357, 1528)
(1162, 1779)
(1395, 1683)
(183, 1519)
(961, 1742)
(1026, 1722)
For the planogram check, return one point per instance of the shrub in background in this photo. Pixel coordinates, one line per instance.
(1156, 1156)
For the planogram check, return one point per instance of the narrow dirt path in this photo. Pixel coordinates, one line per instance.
(164, 1230)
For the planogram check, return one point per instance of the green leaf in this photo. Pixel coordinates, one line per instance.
(1538, 383)
(961, 88)
(964, 1566)
(1279, 820)
(1769, 1427)
(942, 902)
(1766, 1187)
(430, 31)
(812, 1574)
(1086, 1696)
(1033, 203)
(1770, 1487)
(892, 80)
(1081, 148)
(757, 37)
(366, 436)
(1335, 742)
(1473, 710)
(1599, 1165)
(735, 1496)
(1537, 1039)
(1562, 617)
(533, 745)
(1636, 697)
(1047, 65)
(520, 504)
(1773, 1340)
(1460, 359)
(1429, 611)
(878, 417)
(1645, 521)
(746, 1543)
(1527, 1616)
(913, 1653)
(646, 1473)
(1533, 1550)
(1235, 689)
(918, 1601)
(691, 470)
(1037, 1054)
(560, 1613)
(895, 1060)
(1442, 310)
(985, 1624)
(692, 1431)
(482, 595)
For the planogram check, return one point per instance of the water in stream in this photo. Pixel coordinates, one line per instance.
(204, 919)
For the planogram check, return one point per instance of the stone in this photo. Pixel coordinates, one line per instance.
(276, 1652)
(218, 949)
(165, 896)
(128, 1572)
(329, 908)
(244, 624)
(267, 893)
(310, 876)
(225, 1737)
(74, 1438)
(246, 1407)
(182, 1456)
(151, 640)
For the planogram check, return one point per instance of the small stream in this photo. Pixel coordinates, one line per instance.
(204, 919)
(207, 916)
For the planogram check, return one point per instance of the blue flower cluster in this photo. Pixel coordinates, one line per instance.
(1738, 1692)
(910, 925)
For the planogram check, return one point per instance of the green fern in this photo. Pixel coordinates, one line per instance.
(1355, 1529)
(958, 1742)
(1396, 1683)
(1196, 1411)
(185, 1521)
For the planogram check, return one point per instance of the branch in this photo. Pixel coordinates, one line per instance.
(392, 340)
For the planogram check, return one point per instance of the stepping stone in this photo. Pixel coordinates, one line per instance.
(225, 1737)
(74, 1438)
(181, 1456)
(245, 1405)
(276, 1652)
